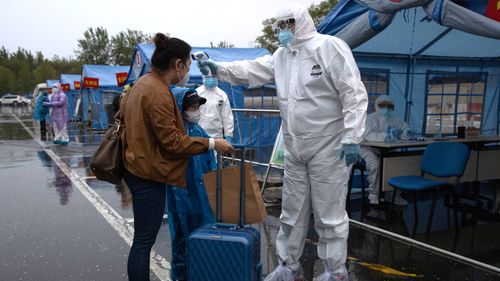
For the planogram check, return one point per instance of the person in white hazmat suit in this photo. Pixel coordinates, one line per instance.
(323, 107)
(376, 130)
(216, 115)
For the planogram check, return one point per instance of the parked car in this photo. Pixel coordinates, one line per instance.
(12, 99)
(26, 101)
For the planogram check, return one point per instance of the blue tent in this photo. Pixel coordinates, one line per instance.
(72, 94)
(96, 102)
(439, 77)
(240, 96)
(51, 83)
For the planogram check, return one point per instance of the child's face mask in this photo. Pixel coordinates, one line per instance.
(193, 116)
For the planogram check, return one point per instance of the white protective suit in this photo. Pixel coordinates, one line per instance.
(216, 114)
(323, 105)
(376, 130)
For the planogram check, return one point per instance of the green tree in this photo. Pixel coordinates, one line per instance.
(225, 44)
(95, 47)
(66, 65)
(7, 80)
(44, 72)
(123, 45)
(4, 55)
(268, 39)
(24, 79)
(39, 58)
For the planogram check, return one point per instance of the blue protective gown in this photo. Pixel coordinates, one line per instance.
(188, 208)
(41, 112)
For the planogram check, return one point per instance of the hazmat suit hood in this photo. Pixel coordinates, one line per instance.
(382, 98)
(59, 88)
(304, 24)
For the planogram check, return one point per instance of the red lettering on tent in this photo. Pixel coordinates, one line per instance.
(90, 82)
(66, 87)
(493, 10)
(121, 77)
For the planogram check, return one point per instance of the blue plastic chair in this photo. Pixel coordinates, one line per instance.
(440, 159)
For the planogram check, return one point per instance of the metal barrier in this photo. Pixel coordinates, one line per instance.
(258, 129)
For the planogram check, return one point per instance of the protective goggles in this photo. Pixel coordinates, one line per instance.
(283, 24)
(386, 105)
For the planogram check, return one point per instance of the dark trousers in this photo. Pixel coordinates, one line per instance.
(148, 201)
(43, 130)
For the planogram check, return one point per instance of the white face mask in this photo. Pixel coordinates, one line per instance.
(193, 116)
(182, 82)
(55, 90)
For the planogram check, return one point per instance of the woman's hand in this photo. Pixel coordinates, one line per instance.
(222, 146)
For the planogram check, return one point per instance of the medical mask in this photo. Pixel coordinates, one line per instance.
(386, 112)
(193, 116)
(182, 82)
(285, 36)
(211, 82)
(55, 90)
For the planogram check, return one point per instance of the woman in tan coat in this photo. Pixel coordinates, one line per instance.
(156, 146)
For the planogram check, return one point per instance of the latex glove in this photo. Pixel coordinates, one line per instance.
(213, 66)
(351, 152)
(47, 104)
(229, 139)
(409, 134)
(396, 133)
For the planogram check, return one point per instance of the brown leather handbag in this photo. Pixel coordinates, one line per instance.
(107, 161)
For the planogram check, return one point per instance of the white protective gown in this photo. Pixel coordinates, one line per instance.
(216, 113)
(376, 130)
(323, 105)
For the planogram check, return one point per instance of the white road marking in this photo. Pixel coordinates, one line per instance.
(159, 265)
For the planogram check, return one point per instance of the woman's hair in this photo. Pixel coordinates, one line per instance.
(168, 50)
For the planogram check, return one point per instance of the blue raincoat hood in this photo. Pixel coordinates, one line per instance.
(179, 94)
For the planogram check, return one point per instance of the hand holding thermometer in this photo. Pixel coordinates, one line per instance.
(201, 57)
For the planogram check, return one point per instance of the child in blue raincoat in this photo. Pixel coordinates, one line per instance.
(42, 113)
(188, 208)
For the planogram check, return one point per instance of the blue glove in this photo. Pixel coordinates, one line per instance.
(396, 133)
(351, 152)
(213, 66)
(229, 139)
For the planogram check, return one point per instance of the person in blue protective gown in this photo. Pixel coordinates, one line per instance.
(188, 208)
(42, 113)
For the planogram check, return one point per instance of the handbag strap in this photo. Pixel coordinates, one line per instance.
(119, 115)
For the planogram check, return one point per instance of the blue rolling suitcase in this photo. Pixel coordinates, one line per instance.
(225, 252)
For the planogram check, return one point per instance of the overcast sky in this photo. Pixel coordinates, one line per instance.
(54, 26)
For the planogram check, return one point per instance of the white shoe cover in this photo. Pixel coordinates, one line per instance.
(281, 273)
(331, 276)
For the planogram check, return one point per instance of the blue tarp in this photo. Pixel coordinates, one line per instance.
(356, 21)
(94, 101)
(413, 47)
(51, 83)
(73, 94)
(245, 125)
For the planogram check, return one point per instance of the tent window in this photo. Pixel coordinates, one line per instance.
(376, 82)
(454, 99)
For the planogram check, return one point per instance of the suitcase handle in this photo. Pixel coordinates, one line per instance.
(242, 186)
(224, 225)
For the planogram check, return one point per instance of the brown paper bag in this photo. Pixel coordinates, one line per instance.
(255, 211)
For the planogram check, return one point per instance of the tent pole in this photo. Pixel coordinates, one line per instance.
(407, 88)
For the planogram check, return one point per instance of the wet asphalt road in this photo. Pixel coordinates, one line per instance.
(57, 222)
